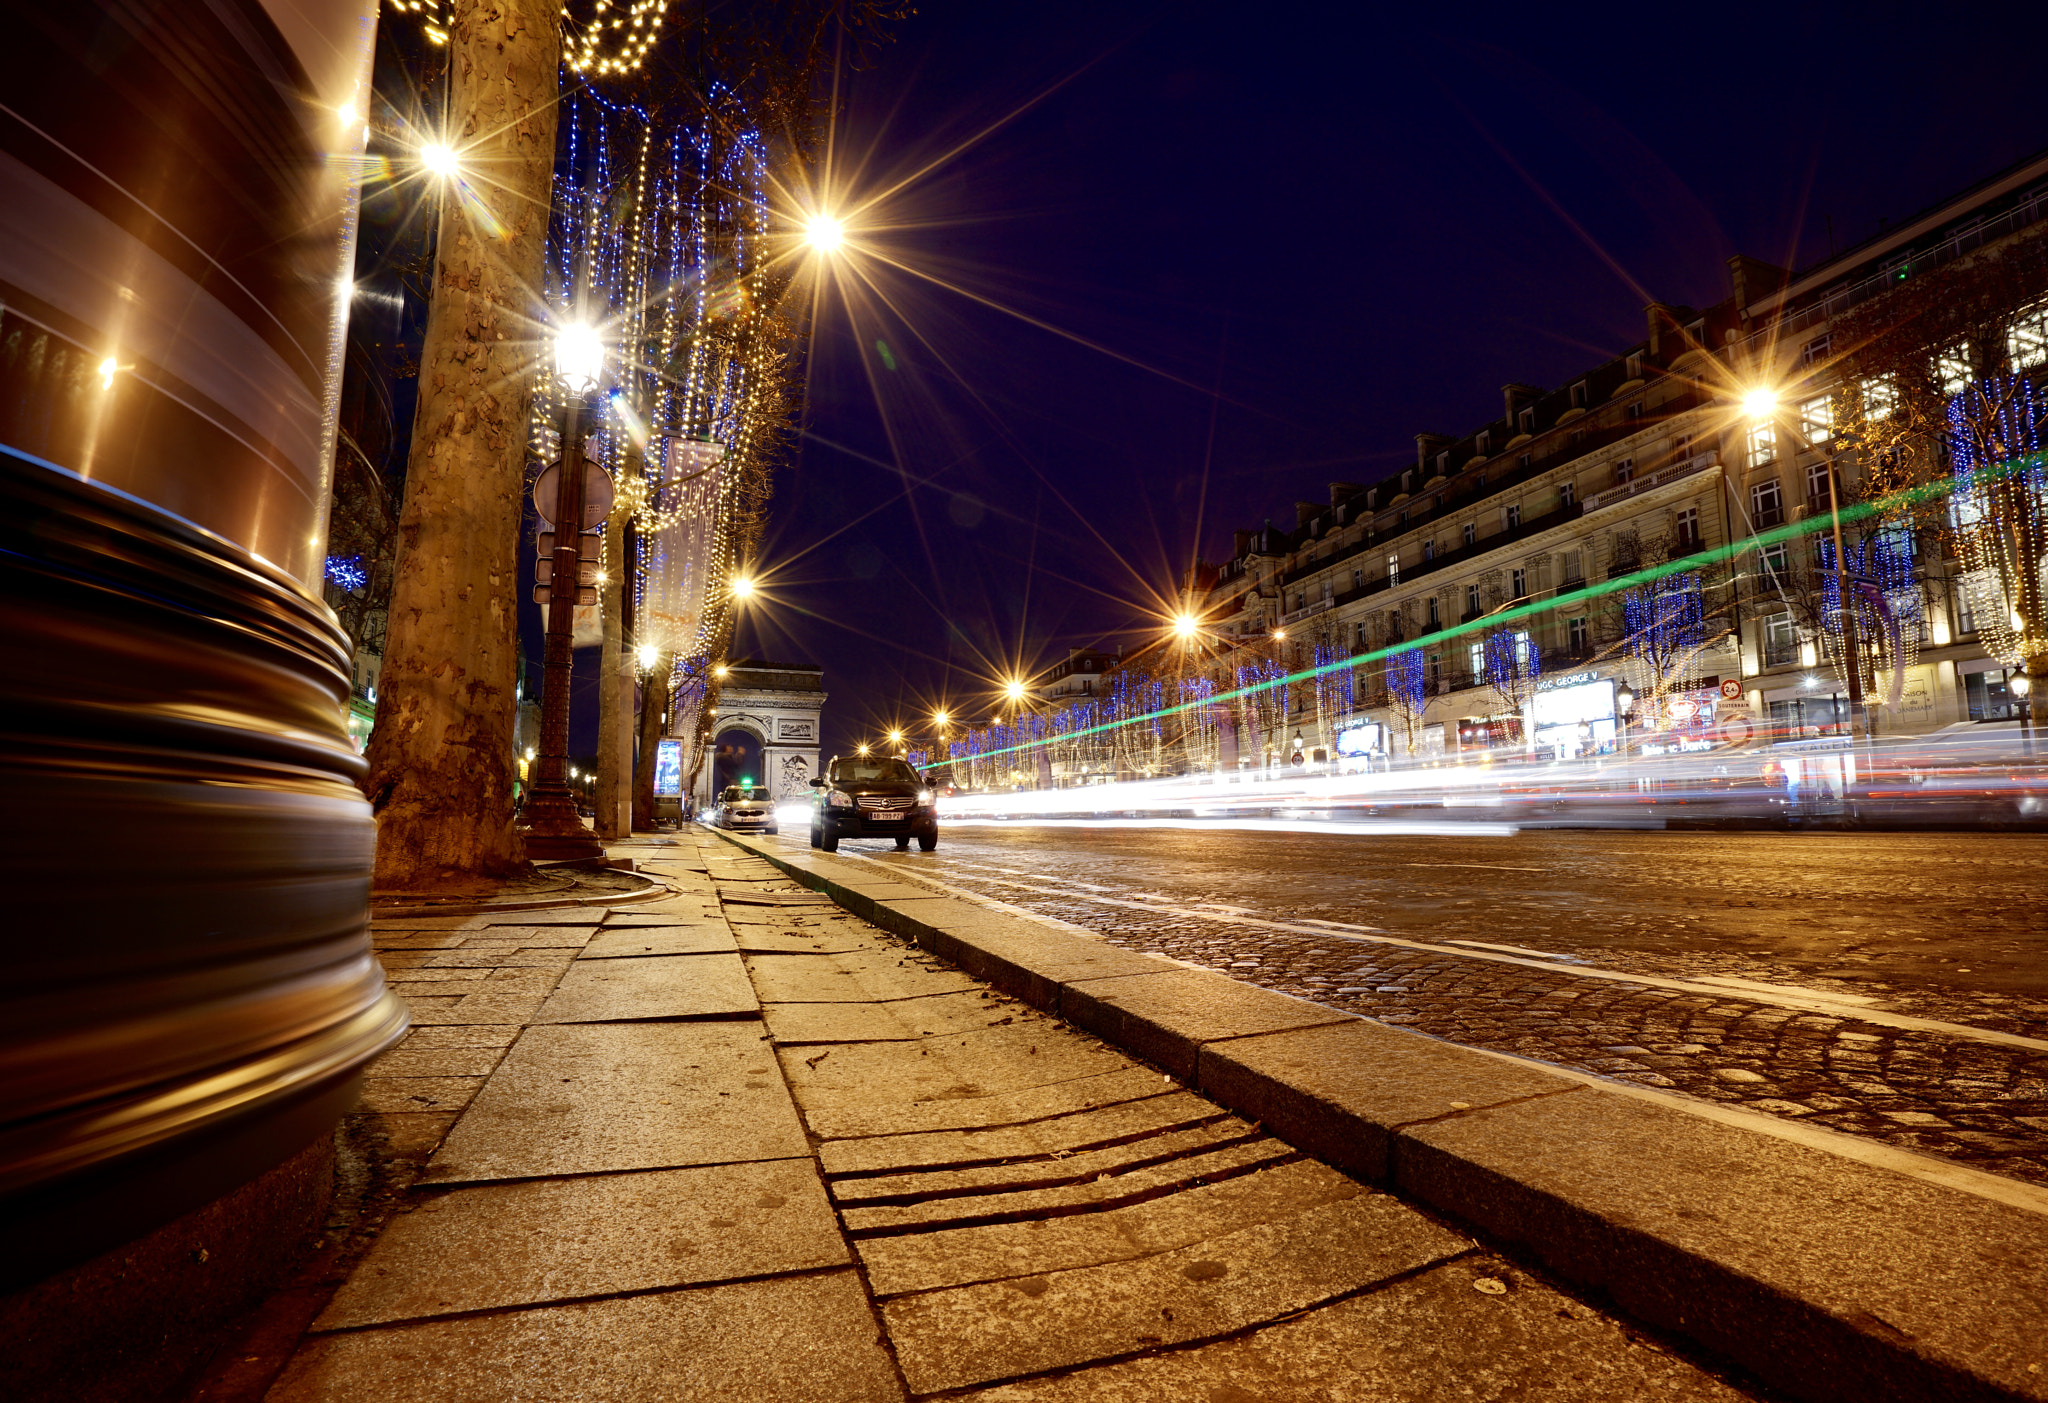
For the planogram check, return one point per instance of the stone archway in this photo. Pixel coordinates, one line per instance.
(736, 754)
(779, 705)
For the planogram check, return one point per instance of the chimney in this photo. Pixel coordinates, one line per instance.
(1426, 444)
(1752, 278)
(1340, 490)
(1513, 398)
(1305, 512)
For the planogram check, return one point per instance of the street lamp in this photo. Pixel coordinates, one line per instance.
(1624, 707)
(2019, 684)
(554, 825)
(742, 587)
(440, 159)
(1187, 626)
(824, 233)
(1761, 403)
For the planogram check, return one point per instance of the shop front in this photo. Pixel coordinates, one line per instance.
(1573, 715)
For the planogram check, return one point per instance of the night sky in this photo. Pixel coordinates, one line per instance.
(1350, 223)
(1125, 279)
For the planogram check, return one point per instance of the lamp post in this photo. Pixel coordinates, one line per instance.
(1624, 707)
(2021, 686)
(553, 827)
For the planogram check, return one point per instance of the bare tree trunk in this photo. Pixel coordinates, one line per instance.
(441, 756)
(615, 682)
(653, 714)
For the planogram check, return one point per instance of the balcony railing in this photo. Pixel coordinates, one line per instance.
(1306, 611)
(1635, 487)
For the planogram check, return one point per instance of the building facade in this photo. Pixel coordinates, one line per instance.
(1528, 562)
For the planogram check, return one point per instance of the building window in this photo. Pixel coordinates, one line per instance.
(1443, 464)
(1518, 583)
(1394, 569)
(1567, 493)
(1581, 634)
(1574, 574)
(1408, 481)
(1763, 444)
(1681, 447)
(1579, 395)
(1358, 577)
(1527, 421)
(1300, 599)
(1817, 420)
(2027, 342)
(1624, 471)
(1395, 633)
(1358, 637)
(1816, 485)
(1514, 518)
(1781, 641)
(1635, 365)
(1429, 550)
(1522, 462)
(1952, 368)
(1773, 559)
(1816, 350)
(1471, 532)
(1766, 506)
(1880, 397)
(1483, 444)
(1479, 481)
(1435, 619)
(1475, 661)
(1687, 528)
(1471, 602)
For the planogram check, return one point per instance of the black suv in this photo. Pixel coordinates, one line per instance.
(859, 797)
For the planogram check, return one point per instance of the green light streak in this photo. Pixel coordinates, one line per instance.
(1908, 497)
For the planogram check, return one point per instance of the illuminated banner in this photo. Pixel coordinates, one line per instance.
(668, 769)
(677, 560)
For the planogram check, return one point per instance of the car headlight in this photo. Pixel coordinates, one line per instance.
(924, 796)
(839, 800)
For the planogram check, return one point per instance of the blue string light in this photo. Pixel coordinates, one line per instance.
(347, 572)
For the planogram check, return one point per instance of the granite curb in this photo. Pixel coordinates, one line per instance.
(1826, 1277)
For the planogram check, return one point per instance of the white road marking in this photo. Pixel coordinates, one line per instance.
(1489, 866)
(1777, 995)
(1517, 950)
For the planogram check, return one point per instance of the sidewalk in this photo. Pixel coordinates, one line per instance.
(740, 1144)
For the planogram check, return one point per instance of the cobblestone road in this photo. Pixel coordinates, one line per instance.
(1852, 930)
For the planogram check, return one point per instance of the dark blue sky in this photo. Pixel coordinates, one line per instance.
(1356, 222)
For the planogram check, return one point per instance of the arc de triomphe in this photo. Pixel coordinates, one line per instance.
(778, 704)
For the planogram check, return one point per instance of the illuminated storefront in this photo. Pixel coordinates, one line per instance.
(1574, 715)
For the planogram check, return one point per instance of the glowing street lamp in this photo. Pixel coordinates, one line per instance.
(1187, 626)
(1014, 690)
(895, 737)
(718, 671)
(939, 719)
(824, 233)
(441, 160)
(579, 358)
(648, 655)
(742, 587)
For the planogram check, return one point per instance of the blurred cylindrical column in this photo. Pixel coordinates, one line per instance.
(189, 998)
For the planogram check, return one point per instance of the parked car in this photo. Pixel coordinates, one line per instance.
(863, 797)
(745, 809)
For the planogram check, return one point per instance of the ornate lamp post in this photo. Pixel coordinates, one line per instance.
(1624, 707)
(553, 828)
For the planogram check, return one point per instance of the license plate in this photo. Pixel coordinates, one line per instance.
(886, 818)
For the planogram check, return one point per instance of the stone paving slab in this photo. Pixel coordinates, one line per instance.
(1055, 1098)
(1339, 1091)
(555, 1240)
(995, 1251)
(1436, 1338)
(988, 1063)
(1767, 1252)
(900, 1020)
(472, 1035)
(476, 1008)
(832, 939)
(852, 978)
(416, 940)
(552, 937)
(418, 1093)
(807, 1339)
(594, 1098)
(1053, 1135)
(1045, 1171)
(512, 958)
(1105, 1189)
(661, 986)
(984, 1333)
(410, 1059)
(1166, 1017)
(615, 942)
